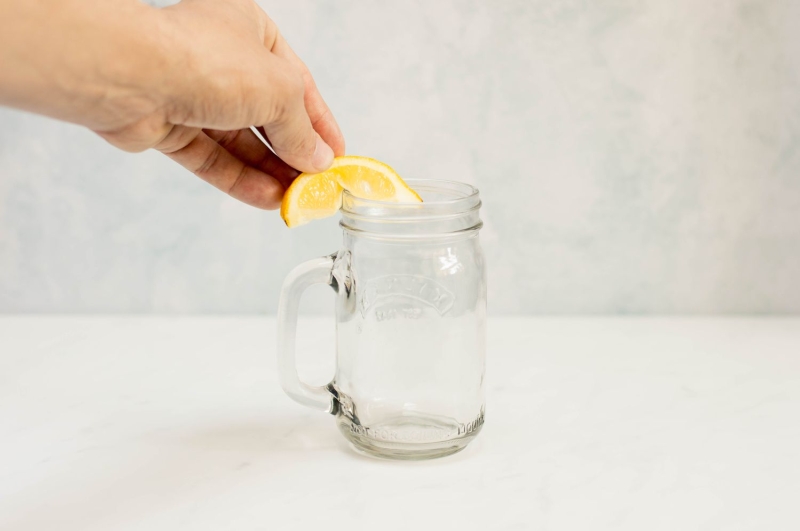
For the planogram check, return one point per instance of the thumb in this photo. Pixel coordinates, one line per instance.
(296, 142)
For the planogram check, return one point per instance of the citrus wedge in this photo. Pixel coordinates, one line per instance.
(319, 195)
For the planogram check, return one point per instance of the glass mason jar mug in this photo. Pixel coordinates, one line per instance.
(410, 323)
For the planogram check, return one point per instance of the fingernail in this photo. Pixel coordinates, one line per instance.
(323, 156)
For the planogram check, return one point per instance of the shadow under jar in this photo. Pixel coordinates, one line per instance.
(410, 289)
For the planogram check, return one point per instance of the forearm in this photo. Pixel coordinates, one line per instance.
(76, 59)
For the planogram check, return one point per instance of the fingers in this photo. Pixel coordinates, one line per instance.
(291, 134)
(319, 113)
(204, 157)
(245, 146)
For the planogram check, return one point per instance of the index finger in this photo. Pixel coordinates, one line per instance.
(322, 119)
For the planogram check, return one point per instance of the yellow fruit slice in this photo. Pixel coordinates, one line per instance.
(319, 195)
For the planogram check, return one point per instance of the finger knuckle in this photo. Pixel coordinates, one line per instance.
(229, 138)
(299, 144)
(177, 138)
(238, 180)
(294, 86)
(209, 162)
(137, 137)
(271, 32)
(289, 97)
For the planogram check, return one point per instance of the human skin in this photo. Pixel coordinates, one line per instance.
(187, 80)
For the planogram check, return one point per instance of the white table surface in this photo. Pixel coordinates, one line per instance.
(154, 423)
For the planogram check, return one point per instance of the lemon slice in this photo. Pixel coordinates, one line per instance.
(319, 195)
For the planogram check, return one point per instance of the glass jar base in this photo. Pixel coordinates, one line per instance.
(409, 436)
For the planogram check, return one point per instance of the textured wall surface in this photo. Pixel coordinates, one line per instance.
(633, 156)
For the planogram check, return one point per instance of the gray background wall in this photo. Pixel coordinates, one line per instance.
(633, 156)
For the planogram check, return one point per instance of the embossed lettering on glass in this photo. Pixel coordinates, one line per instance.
(410, 320)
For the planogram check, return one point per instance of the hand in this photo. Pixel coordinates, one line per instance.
(186, 80)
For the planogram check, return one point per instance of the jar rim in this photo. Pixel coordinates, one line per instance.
(449, 209)
(460, 198)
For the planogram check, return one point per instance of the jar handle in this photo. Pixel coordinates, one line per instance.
(317, 271)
